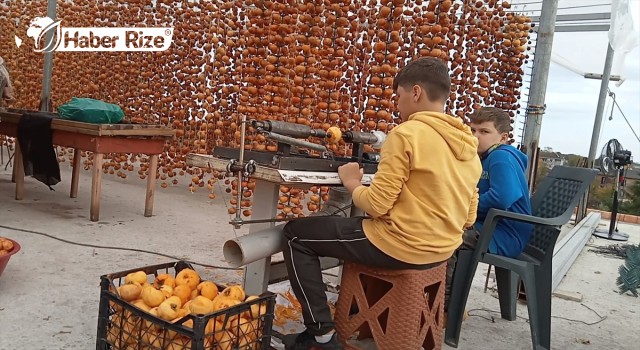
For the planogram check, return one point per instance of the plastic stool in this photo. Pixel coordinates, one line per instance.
(399, 309)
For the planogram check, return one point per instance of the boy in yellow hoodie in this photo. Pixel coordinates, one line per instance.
(422, 196)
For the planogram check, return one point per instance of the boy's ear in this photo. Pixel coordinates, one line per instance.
(504, 137)
(416, 91)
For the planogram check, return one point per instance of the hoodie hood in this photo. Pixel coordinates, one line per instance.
(520, 157)
(455, 133)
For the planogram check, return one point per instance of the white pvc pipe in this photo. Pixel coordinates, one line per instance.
(253, 247)
(259, 245)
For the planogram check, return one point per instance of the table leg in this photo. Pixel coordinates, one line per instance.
(76, 173)
(151, 185)
(256, 274)
(96, 185)
(13, 168)
(18, 167)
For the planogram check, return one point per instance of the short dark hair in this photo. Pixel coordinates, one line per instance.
(499, 117)
(429, 72)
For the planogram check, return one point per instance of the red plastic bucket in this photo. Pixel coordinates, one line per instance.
(4, 260)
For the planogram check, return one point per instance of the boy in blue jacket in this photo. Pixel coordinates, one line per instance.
(502, 185)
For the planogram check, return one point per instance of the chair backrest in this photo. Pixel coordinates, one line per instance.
(556, 197)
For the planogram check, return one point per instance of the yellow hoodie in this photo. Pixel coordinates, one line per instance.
(424, 192)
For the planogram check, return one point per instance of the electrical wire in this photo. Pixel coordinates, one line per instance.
(492, 319)
(625, 119)
(540, 2)
(526, 3)
(341, 209)
(116, 248)
(559, 8)
(583, 6)
(619, 251)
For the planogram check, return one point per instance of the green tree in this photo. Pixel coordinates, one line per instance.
(600, 197)
(541, 172)
(573, 159)
(632, 206)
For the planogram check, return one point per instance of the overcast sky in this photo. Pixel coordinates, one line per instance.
(571, 99)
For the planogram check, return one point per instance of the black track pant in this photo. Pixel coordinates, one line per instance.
(469, 242)
(334, 236)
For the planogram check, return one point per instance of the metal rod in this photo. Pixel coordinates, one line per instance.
(577, 17)
(296, 142)
(614, 207)
(289, 129)
(243, 128)
(262, 221)
(602, 98)
(597, 123)
(45, 98)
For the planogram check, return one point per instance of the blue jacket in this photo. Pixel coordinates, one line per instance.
(503, 186)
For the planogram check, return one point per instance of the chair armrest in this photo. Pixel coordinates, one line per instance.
(494, 215)
(559, 220)
(502, 261)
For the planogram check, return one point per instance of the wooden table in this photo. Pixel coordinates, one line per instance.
(99, 139)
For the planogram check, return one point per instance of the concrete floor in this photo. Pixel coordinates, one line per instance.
(49, 291)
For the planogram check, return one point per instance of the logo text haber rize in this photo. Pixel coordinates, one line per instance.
(133, 39)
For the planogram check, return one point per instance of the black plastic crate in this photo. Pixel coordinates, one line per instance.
(124, 326)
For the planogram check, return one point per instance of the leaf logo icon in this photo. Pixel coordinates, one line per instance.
(39, 27)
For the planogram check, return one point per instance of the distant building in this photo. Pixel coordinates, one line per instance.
(550, 158)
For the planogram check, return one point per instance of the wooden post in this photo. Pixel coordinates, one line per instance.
(151, 185)
(76, 173)
(96, 185)
(18, 166)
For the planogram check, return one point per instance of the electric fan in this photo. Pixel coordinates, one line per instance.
(613, 159)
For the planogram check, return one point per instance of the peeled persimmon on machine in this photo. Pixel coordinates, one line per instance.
(294, 161)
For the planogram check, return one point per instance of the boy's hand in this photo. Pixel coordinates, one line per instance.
(8, 94)
(351, 175)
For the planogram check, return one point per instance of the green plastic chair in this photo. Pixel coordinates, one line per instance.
(552, 206)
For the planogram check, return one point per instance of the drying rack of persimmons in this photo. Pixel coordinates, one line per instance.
(318, 63)
(97, 138)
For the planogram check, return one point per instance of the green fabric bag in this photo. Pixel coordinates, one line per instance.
(89, 110)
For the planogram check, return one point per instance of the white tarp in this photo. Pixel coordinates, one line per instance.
(622, 36)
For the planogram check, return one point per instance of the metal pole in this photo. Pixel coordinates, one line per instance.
(597, 124)
(45, 99)
(535, 108)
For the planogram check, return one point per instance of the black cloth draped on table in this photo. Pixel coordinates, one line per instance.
(36, 143)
